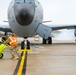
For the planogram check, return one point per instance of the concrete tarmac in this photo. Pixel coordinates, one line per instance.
(56, 59)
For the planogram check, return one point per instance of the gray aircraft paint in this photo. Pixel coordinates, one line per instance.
(28, 30)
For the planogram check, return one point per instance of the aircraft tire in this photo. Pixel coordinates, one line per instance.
(49, 40)
(1, 55)
(44, 41)
(28, 44)
(22, 45)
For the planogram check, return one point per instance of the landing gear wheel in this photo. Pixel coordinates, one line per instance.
(28, 44)
(1, 55)
(49, 40)
(44, 41)
(22, 45)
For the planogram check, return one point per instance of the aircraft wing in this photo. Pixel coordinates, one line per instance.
(57, 27)
(45, 30)
(5, 28)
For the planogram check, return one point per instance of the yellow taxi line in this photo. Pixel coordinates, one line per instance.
(21, 64)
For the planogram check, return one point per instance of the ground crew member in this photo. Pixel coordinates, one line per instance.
(13, 46)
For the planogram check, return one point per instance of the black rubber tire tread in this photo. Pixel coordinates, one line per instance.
(44, 41)
(49, 40)
(1, 56)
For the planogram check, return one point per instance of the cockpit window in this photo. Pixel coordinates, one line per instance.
(25, 1)
(29, 1)
(19, 1)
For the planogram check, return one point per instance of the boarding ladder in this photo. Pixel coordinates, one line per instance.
(36, 40)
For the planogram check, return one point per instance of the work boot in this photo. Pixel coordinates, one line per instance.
(18, 58)
(12, 57)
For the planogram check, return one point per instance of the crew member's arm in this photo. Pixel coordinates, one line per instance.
(7, 41)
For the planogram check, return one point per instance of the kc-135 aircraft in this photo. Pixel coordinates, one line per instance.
(25, 19)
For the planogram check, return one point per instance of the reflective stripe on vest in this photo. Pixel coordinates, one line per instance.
(12, 40)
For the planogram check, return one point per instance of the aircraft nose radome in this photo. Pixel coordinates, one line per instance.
(24, 16)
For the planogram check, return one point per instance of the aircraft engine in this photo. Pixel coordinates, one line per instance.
(75, 32)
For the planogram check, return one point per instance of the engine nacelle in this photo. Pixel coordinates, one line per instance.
(75, 32)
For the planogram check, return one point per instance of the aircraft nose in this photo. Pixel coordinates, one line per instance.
(24, 16)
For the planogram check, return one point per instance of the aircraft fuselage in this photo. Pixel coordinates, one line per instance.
(24, 17)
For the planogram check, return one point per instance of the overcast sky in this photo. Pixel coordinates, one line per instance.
(59, 11)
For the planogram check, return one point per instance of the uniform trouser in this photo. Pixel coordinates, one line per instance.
(14, 49)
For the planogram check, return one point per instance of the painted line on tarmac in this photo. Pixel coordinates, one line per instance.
(17, 67)
(21, 65)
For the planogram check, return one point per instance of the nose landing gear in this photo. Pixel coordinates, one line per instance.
(25, 43)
